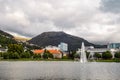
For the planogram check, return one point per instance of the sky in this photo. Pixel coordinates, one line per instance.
(97, 21)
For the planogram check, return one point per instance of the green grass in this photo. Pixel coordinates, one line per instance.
(29, 59)
(111, 60)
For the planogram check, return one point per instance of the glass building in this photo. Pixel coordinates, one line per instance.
(114, 45)
(63, 46)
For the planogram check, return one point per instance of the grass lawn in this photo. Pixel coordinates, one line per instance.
(111, 60)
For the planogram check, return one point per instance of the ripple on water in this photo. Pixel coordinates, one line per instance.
(35, 70)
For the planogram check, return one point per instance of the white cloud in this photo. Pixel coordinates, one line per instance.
(83, 18)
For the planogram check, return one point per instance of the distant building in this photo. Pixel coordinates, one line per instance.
(114, 46)
(63, 46)
(52, 48)
(3, 50)
(55, 53)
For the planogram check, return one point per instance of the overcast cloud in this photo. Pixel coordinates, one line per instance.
(97, 21)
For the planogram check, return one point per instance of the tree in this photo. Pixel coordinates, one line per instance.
(77, 55)
(1, 54)
(107, 55)
(72, 54)
(6, 55)
(15, 48)
(36, 56)
(87, 54)
(117, 55)
(25, 55)
(50, 55)
(97, 55)
(14, 55)
(47, 55)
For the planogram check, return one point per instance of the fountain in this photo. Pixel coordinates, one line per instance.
(83, 58)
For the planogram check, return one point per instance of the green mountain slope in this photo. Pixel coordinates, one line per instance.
(6, 38)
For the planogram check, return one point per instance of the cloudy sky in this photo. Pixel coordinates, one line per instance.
(97, 21)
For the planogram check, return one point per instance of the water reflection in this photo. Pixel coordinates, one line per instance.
(58, 71)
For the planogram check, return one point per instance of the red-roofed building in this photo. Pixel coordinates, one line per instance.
(55, 53)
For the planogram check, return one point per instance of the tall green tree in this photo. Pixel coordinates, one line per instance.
(72, 54)
(15, 48)
(47, 54)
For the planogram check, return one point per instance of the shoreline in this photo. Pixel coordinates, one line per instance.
(36, 60)
(69, 60)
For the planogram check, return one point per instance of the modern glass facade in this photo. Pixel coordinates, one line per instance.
(63, 46)
(114, 45)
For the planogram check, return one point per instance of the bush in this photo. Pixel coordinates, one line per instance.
(11, 55)
(65, 57)
(117, 55)
(45, 56)
(97, 55)
(14, 55)
(72, 54)
(107, 55)
(50, 55)
(87, 54)
(1, 54)
(36, 56)
(6, 55)
(77, 56)
(25, 55)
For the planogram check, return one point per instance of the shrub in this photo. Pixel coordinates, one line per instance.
(25, 55)
(6, 55)
(45, 56)
(36, 56)
(107, 55)
(97, 55)
(87, 54)
(14, 55)
(50, 55)
(77, 56)
(1, 54)
(65, 57)
(117, 55)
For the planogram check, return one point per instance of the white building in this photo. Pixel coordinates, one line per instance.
(63, 46)
(51, 48)
(3, 50)
(101, 50)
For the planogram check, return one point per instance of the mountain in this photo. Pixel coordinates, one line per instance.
(54, 38)
(5, 34)
(6, 38)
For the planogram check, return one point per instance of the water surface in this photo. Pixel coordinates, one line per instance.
(41, 70)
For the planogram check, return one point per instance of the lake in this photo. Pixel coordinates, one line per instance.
(58, 70)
